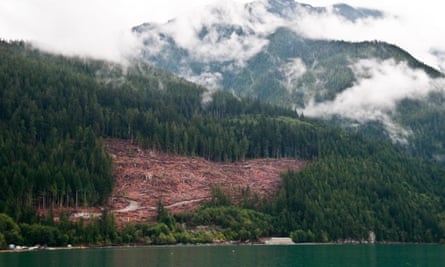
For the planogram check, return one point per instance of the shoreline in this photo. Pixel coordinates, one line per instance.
(228, 243)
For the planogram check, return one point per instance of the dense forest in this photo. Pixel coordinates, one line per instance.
(55, 111)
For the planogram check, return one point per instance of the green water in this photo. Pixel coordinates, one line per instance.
(196, 256)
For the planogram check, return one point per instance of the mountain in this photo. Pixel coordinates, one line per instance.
(55, 113)
(261, 50)
(230, 47)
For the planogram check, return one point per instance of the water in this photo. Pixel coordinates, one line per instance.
(196, 256)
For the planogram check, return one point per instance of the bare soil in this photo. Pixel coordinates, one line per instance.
(145, 177)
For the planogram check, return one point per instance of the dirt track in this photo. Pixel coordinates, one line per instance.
(145, 177)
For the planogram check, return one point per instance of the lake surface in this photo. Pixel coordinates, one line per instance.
(244, 255)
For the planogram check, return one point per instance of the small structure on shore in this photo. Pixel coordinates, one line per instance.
(279, 241)
(372, 237)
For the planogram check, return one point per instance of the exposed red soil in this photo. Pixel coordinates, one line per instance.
(144, 177)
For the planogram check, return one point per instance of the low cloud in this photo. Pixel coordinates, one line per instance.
(210, 80)
(101, 28)
(85, 28)
(232, 32)
(293, 71)
(414, 26)
(380, 86)
(222, 32)
(93, 28)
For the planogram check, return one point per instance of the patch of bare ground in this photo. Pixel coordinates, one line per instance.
(145, 177)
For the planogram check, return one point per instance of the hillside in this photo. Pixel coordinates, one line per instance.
(59, 114)
(262, 50)
(145, 177)
(56, 112)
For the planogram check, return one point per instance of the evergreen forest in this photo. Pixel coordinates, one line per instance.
(55, 112)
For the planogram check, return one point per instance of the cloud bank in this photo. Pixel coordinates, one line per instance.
(226, 31)
(101, 28)
(85, 28)
(380, 86)
(293, 71)
(94, 28)
(415, 26)
(232, 33)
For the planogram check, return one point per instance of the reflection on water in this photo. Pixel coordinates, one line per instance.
(244, 255)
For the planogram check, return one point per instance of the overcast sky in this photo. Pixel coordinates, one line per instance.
(100, 28)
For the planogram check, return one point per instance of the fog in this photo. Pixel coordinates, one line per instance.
(380, 86)
(94, 28)
(102, 29)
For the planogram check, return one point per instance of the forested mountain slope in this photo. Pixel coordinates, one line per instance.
(56, 110)
(263, 50)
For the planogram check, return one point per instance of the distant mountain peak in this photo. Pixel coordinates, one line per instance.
(353, 14)
(281, 4)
